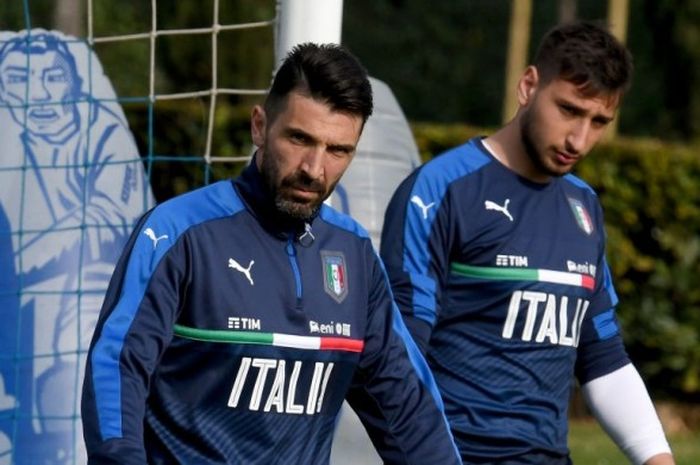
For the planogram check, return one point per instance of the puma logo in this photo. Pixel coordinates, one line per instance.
(246, 271)
(424, 208)
(152, 236)
(503, 209)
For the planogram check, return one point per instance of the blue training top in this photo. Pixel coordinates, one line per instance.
(230, 336)
(504, 285)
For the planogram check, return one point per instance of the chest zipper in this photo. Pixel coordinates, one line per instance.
(292, 254)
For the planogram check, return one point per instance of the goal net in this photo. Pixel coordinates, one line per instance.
(96, 127)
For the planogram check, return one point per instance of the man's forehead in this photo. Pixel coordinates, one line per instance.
(43, 59)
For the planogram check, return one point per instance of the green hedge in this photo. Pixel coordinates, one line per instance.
(650, 192)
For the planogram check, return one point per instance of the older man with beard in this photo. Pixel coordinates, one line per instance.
(242, 314)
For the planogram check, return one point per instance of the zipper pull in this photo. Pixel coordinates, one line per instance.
(307, 238)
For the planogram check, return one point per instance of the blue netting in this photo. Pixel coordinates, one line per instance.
(74, 178)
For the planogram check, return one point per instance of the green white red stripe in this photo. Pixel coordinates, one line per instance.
(525, 274)
(340, 344)
(582, 217)
(335, 277)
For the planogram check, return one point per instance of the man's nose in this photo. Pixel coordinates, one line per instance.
(38, 91)
(578, 135)
(312, 163)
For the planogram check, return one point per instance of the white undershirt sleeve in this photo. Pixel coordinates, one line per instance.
(621, 404)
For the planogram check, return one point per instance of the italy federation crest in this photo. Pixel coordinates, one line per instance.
(335, 280)
(582, 217)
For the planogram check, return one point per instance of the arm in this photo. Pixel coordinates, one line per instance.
(394, 393)
(621, 403)
(414, 249)
(611, 385)
(133, 330)
(661, 459)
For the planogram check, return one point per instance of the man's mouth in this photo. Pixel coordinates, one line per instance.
(42, 115)
(564, 158)
(302, 192)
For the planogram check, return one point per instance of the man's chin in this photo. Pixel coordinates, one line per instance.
(550, 168)
(559, 171)
(297, 210)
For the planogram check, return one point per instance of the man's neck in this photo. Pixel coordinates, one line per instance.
(506, 146)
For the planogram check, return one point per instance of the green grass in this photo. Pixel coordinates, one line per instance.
(591, 446)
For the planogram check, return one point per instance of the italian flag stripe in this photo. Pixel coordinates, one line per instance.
(339, 343)
(587, 282)
(296, 342)
(329, 273)
(272, 339)
(524, 274)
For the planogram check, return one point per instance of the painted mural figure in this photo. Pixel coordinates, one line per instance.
(72, 185)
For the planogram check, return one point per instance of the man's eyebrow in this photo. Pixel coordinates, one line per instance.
(570, 105)
(603, 119)
(582, 111)
(344, 147)
(294, 131)
(14, 68)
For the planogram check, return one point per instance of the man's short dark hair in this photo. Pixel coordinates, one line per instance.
(587, 55)
(328, 73)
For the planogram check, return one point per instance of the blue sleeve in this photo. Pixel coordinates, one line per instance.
(394, 393)
(601, 349)
(415, 258)
(133, 330)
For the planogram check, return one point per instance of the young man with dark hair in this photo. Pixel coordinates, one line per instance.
(242, 314)
(496, 255)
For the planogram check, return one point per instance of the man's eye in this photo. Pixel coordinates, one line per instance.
(298, 138)
(568, 110)
(340, 151)
(56, 78)
(16, 79)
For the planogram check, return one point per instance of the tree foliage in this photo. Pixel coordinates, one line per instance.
(652, 205)
(674, 31)
(447, 63)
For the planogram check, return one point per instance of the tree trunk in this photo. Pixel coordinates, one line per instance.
(567, 11)
(67, 17)
(618, 14)
(518, 42)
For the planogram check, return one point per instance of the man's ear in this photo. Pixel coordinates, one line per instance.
(258, 125)
(527, 86)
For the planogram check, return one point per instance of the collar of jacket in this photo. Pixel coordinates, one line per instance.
(260, 203)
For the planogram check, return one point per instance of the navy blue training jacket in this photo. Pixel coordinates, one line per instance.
(227, 336)
(504, 285)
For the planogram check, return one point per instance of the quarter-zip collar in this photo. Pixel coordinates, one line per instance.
(261, 204)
